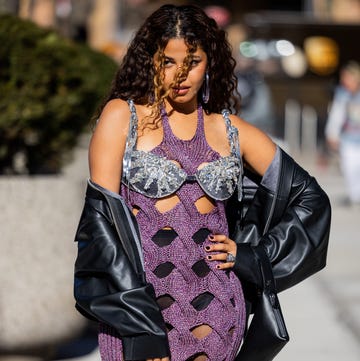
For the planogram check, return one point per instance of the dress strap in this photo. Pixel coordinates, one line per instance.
(200, 123)
(232, 134)
(165, 123)
(168, 133)
(234, 141)
(130, 142)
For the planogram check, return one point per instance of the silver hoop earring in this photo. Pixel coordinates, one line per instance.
(206, 89)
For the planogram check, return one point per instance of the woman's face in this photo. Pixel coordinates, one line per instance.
(350, 81)
(186, 91)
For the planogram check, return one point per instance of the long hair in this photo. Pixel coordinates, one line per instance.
(138, 78)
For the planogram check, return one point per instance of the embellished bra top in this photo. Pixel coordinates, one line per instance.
(157, 176)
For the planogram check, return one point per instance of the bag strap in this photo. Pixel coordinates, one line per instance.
(287, 167)
(283, 188)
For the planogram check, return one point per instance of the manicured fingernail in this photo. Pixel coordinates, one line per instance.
(207, 248)
(209, 257)
(211, 237)
(218, 267)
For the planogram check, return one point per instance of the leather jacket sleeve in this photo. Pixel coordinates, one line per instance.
(111, 288)
(292, 225)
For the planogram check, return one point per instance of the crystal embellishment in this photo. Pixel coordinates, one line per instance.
(154, 176)
(157, 177)
(219, 178)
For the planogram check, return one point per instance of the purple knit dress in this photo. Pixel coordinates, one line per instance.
(192, 294)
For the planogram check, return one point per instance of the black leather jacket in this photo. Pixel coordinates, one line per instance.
(292, 223)
(110, 285)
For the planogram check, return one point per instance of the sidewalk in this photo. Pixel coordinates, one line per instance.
(323, 312)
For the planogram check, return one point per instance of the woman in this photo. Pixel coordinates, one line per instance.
(343, 127)
(163, 143)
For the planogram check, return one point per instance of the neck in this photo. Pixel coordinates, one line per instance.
(185, 108)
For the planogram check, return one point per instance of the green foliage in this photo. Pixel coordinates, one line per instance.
(49, 90)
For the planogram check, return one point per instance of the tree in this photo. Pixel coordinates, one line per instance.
(50, 87)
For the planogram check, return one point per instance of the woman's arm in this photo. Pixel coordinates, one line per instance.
(296, 241)
(107, 145)
(108, 286)
(257, 151)
(336, 119)
(257, 148)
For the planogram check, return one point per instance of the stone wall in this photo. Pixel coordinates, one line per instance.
(39, 216)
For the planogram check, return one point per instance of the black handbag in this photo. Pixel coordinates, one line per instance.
(267, 333)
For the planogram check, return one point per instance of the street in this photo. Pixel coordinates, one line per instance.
(323, 312)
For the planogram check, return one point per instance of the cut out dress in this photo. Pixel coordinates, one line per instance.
(203, 307)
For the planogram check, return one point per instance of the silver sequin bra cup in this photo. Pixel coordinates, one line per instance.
(156, 177)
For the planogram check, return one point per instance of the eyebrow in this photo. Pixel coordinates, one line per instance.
(193, 57)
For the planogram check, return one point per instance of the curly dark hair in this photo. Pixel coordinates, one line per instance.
(137, 77)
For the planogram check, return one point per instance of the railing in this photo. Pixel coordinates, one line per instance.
(300, 128)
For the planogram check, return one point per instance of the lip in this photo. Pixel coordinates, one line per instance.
(181, 90)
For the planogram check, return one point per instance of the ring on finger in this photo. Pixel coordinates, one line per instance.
(230, 257)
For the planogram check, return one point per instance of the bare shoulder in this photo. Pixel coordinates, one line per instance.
(112, 126)
(116, 114)
(257, 147)
(108, 144)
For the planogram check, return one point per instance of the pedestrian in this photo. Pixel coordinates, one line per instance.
(343, 128)
(165, 247)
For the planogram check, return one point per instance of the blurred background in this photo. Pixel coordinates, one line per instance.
(57, 60)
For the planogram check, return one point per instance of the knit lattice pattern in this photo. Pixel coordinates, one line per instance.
(203, 307)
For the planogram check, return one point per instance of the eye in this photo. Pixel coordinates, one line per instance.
(194, 63)
(168, 62)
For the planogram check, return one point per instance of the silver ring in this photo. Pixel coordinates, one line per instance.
(230, 257)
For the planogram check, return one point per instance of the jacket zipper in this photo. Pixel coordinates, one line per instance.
(280, 323)
(278, 318)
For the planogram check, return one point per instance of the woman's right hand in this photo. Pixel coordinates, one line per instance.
(158, 359)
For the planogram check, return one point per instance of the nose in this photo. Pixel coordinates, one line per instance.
(179, 75)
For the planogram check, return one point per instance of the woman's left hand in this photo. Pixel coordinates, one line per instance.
(224, 248)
